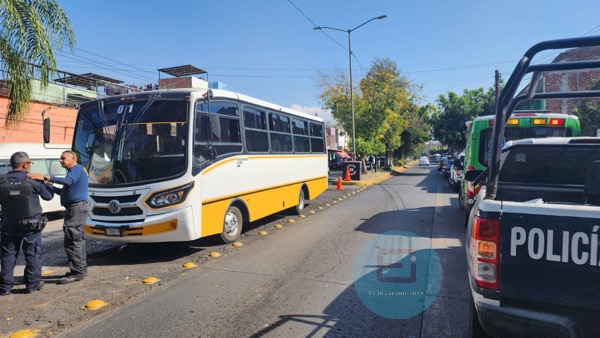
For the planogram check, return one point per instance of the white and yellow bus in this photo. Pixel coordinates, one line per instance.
(177, 165)
(45, 161)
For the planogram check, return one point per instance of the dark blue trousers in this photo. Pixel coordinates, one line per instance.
(12, 242)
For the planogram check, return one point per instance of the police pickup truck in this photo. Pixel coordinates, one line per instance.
(532, 239)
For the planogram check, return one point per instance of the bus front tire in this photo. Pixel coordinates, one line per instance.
(232, 225)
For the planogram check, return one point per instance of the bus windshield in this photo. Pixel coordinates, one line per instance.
(126, 142)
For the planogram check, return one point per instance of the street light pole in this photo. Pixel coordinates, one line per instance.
(349, 31)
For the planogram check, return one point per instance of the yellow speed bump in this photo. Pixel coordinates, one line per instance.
(263, 233)
(311, 212)
(189, 265)
(24, 334)
(237, 244)
(46, 272)
(320, 207)
(302, 216)
(278, 226)
(215, 254)
(327, 204)
(95, 304)
(151, 280)
(291, 221)
(334, 202)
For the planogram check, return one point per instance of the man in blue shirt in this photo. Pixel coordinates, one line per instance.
(22, 224)
(73, 196)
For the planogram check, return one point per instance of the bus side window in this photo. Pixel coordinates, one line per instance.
(201, 150)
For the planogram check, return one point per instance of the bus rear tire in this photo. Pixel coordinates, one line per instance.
(232, 225)
(301, 204)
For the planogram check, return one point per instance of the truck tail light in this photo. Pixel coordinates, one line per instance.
(484, 252)
(472, 191)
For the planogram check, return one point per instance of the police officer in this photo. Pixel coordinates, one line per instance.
(21, 224)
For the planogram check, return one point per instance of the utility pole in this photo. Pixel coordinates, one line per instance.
(497, 85)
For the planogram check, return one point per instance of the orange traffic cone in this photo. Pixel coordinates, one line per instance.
(339, 184)
(347, 176)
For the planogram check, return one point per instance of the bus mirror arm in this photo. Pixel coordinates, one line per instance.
(481, 177)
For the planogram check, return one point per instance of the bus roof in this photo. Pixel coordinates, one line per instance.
(219, 93)
(32, 149)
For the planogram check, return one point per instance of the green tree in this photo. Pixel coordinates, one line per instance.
(588, 113)
(29, 31)
(449, 125)
(418, 131)
(381, 102)
(387, 102)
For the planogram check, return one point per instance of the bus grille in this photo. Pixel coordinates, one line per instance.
(133, 211)
(128, 202)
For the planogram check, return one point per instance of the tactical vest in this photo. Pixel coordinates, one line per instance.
(17, 199)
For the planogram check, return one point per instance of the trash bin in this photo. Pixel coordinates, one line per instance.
(353, 168)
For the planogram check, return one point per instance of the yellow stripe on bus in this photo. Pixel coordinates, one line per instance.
(259, 203)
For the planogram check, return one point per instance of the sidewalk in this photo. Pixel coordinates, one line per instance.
(374, 178)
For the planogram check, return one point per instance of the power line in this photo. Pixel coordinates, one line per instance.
(457, 68)
(100, 65)
(322, 31)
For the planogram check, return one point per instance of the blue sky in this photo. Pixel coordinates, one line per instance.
(268, 48)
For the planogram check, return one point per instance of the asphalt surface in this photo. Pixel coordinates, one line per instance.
(309, 280)
(116, 271)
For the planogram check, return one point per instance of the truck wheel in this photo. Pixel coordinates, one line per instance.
(461, 202)
(300, 206)
(475, 328)
(232, 225)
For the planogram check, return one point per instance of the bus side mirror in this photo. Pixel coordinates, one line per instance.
(471, 175)
(47, 130)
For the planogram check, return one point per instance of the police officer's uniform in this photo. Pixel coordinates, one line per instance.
(21, 226)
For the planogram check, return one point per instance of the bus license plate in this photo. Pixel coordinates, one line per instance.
(112, 232)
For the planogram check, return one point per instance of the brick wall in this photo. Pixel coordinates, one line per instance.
(62, 121)
(575, 80)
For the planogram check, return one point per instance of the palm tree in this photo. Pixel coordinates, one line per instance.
(29, 31)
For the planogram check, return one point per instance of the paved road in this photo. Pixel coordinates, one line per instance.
(388, 262)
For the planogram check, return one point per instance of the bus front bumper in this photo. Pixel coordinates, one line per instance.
(174, 226)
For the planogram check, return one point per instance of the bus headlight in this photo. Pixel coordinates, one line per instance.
(170, 197)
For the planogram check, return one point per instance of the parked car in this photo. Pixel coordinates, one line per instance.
(423, 161)
(446, 165)
(434, 159)
(456, 172)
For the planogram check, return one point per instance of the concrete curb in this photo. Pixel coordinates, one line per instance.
(380, 176)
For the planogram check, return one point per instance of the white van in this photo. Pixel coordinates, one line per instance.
(45, 161)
